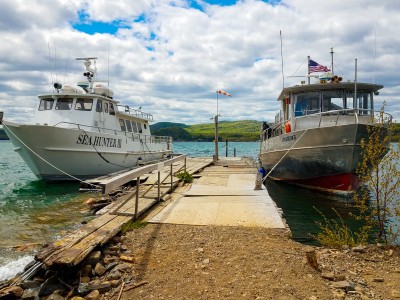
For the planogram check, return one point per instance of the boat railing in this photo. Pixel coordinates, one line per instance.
(135, 112)
(131, 135)
(327, 118)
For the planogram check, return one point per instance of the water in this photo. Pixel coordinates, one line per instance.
(32, 212)
(207, 149)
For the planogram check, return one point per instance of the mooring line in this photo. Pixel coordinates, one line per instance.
(50, 164)
(266, 176)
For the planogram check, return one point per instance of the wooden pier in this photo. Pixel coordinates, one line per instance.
(73, 248)
(222, 194)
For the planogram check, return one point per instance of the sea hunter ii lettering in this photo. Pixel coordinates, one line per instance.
(289, 138)
(99, 141)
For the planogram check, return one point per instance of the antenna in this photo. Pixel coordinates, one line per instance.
(55, 59)
(66, 67)
(355, 104)
(373, 73)
(108, 63)
(51, 67)
(283, 77)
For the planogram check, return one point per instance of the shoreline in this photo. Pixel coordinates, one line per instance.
(160, 261)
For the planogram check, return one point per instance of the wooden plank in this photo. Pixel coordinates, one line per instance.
(72, 249)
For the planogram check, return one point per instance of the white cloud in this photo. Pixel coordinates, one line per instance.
(173, 59)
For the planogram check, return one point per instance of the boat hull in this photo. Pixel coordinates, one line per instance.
(324, 158)
(58, 154)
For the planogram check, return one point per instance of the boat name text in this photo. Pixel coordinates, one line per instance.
(289, 138)
(84, 139)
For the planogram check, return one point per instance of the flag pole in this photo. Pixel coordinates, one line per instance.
(332, 60)
(216, 133)
(308, 69)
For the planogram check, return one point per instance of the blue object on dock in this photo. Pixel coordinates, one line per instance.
(262, 171)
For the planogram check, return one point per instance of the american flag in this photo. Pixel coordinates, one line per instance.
(313, 66)
(224, 93)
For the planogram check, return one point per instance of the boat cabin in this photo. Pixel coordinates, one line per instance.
(325, 104)
(78, 109)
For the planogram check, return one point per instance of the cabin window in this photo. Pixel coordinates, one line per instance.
(112, 110)
(139, 127)
(122, 124)
(84, 104)
(99, 106)
(145, 126)
(134, 127)
(333, 100)
(64, 104)
(128, 125)
(46, 104)
(306, 104)
(105, 107)
(364, 101)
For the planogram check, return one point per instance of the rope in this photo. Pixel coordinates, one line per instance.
(266, 176)
(50, 164)
(106, 160)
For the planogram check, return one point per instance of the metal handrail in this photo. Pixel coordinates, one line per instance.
(136, 112)
(145, 137)
(276, 128)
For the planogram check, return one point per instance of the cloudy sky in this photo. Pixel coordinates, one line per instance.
(170, 56)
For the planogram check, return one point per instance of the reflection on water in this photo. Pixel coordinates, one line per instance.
(300, 205)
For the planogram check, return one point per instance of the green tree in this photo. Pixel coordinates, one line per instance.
(378, 202)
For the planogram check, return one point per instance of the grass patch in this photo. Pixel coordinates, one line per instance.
(131, 225)
(185, 177)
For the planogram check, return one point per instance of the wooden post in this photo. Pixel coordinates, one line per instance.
(158, 189)
(216, 137)
(137, 197)
(226, 148)
(312, 259)
(185, 164)
(171, 177)
(234, 152)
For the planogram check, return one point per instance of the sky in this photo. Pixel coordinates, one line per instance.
(169, 57)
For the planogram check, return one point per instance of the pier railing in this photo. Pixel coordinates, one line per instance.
(328, 118)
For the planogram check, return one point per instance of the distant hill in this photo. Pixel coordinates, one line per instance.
(162, 125)
(243, 131)
(3, 135)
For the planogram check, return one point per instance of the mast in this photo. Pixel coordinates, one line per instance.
(332, 60)
(283, 77)
(355, 104)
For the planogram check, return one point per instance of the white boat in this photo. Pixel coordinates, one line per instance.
(315, 140)
(81, 132)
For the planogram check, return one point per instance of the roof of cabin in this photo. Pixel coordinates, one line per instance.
(348, 86)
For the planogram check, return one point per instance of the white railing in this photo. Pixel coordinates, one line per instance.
(134, 136)
(135, 112)
(329, 118)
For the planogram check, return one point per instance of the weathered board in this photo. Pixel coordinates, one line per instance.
(73, 248)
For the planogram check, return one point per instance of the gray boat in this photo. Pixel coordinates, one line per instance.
(315, 139)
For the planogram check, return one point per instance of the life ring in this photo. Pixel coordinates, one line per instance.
(287, 127)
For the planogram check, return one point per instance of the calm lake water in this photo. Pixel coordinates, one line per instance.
(34, 212)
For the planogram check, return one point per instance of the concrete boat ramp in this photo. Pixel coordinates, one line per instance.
(223, 193)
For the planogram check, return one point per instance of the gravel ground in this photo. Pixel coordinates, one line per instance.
(208, 262)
